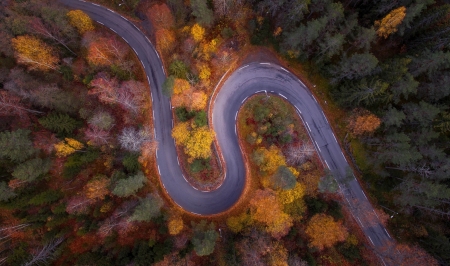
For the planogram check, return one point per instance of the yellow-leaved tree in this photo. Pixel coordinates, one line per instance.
(165, 40)
(324, 231)
(204, 73)
(180, 86)
(266, 209)
(199, 143)
(289, 195)
(67, 147)
(34, 53)
(175, 225)
(80, 20)
(238, 223)
(181, 133)
(390, 22)
(197, 32)
(269, 160)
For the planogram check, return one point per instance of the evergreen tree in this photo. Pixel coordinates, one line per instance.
(148, 208)
(29, 170)
(129, 186)
(59, 123)
(202, 13)
(204, 238)
(16, 145)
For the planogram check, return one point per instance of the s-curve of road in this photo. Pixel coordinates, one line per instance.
(257, 77)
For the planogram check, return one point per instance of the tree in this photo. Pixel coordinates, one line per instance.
(199, 143)
(202, 13)
(180, 86)
(204, 238)
(102, 120)
(161, 16)
(328, 183)
(51, 32)
(16, 145)
(53, 97)
(165, 40)
(45, 253)
(266, 209)
(298, 154)
(238, 223)
(148, 208)
(290, 195)
(96, 136)
(175, 225)
(363, 92)
(105, 51)
(80, 20)
(178, 69)
(59, 123)
(97, 188)
(390, 22)
(324, 231)
(268, 160)
(132, 139)
(29, 170)
(198, 101)
(129, 186)
(181, 133)
(68, 146)
(363, 122)
(283, 179)
(34, 53)
(6, 193)
(197, 32)
(11, 105)
(353, 67)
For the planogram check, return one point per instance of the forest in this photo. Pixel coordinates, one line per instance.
(79, 181)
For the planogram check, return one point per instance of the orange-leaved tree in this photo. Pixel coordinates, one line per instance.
(165, 40)
(390, 22)
(180, 86)
(324, 231)
(80, 20)
(175, 225)
(364, 122)
(266, 209)
(34, 53)
(105, 51)
(161, 16)
(97, 188)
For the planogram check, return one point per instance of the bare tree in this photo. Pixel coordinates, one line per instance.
(10, 105)
(132, 139)
(45, 253)
(38, 27)
(299, 154)
(97, 136)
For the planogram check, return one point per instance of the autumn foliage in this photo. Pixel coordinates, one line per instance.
(80, 20)
(197, 32)
(34, 53)
(105, 51)
(67, 147)
(196, 142)
(390, 22)
(165, 40)
(324, 231)
(266, 210)
(175, 225)
(161, 16)
(363, 122)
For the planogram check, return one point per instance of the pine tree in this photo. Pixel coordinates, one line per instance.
(59, 123)
(129, 186)
(16, 145)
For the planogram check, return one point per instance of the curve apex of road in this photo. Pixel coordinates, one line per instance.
(256, 77)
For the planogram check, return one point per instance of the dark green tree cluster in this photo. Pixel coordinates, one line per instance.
(403, 79)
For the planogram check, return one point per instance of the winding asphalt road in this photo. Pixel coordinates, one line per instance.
(258, 77)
